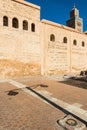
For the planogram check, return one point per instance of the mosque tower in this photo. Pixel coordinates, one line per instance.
(75, 21)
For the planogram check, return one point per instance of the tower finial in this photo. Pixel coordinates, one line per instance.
(74, 6)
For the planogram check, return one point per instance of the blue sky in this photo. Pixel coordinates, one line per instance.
(58, 10)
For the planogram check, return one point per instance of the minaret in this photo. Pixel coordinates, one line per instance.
(75, 21)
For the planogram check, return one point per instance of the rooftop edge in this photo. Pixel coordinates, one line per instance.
(61, 26)
(27, 4)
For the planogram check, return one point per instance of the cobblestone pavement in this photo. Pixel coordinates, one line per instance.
(22, 111)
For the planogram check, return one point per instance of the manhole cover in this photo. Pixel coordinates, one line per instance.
(70, 123)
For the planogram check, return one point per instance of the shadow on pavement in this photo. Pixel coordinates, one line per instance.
(75, 83)
(12, 93)
(56, 105)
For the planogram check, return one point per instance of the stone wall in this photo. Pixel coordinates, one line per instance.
(19, 49)
(27, 53)
(60, 57)
(78, 52)
(55, 52)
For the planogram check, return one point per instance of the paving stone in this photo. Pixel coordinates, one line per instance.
(26, 112)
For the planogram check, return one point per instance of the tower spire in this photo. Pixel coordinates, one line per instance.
(75, 21)
(74, 6)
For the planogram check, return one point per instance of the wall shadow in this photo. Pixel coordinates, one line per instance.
(75, 83)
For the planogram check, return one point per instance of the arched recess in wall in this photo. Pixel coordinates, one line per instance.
(15, 23)
(83, 43)
(25, 25)
(74, 42)
(5, 21)
(65, 40)
(52, 37)
(33, 27)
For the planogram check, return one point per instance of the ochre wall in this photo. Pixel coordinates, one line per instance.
(59, 57)
(78, 53)
(19, 49)
(27, 53)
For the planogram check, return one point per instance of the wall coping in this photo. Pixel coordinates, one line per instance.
(61, 26)
(27, 4)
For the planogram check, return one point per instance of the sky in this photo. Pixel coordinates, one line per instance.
(59, 10)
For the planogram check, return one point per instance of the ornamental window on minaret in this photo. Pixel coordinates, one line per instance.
(75, 21)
